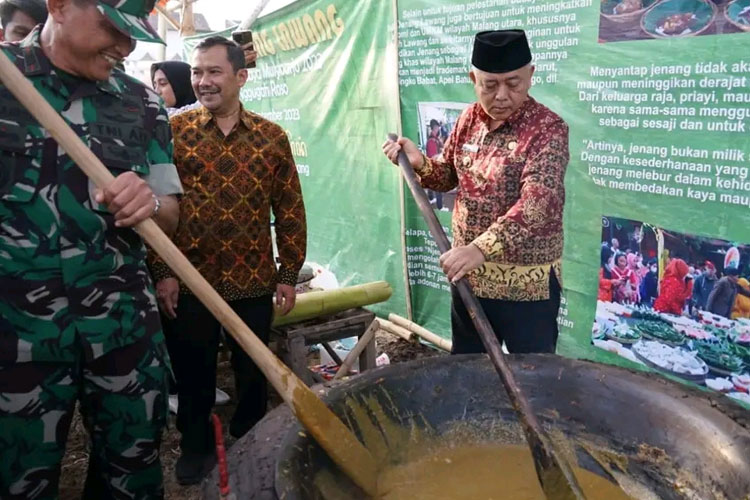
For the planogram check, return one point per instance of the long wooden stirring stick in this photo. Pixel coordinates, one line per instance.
(335, 438)
(555, 475)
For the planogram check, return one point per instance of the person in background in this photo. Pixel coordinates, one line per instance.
(19, 17)
(676, 287)
(649, 288)
(220, 150)
(624, 290)
(703, 286)
(614, 246)
(634, 239)
(698, 270)
(171, 80)
(721, 299)
(606, 282)
(741, 308)
(433, 149)
(434, 142)
(635, 265)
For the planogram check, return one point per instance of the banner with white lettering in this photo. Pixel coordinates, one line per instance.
(657, 98)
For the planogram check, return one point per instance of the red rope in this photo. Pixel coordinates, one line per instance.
(221, 458)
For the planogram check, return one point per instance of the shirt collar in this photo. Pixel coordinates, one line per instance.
(246, 118)
(36, 63)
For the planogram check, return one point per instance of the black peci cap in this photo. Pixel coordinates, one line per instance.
(501, 51)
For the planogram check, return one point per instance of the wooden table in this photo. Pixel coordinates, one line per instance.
(293, 340)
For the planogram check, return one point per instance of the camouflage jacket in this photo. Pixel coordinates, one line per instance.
(70, 279)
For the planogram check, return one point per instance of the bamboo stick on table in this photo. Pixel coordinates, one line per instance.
(424, 333)
(396, 330)
(323, 303)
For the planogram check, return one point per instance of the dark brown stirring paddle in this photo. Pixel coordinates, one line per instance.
(554, 473)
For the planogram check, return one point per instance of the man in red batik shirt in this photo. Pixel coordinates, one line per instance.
(507, 155)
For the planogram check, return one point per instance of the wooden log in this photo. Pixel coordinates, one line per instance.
(315, 304)
(424, 333)
(357, 350)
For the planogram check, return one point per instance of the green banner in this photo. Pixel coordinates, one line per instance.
(657, 97)
(326, 73)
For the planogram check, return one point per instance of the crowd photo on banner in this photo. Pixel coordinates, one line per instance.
(677, 302)
(348, 249)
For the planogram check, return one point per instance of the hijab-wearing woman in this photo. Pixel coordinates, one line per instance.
(676, 288)
(171, 80)
(625, 292)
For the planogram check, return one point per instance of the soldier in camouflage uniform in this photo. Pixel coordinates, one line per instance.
(78, 315)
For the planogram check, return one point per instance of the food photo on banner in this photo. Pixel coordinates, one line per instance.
(676, 303)
(622, 20)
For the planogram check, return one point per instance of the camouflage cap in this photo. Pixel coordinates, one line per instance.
(131, 18)
(36, 9)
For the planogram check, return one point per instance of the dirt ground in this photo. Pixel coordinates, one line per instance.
(76, 459)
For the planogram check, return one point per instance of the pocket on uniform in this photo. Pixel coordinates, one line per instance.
(118, 159)
(19, 173)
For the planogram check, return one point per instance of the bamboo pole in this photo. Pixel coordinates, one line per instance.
(357, 350)
(332, 435)
(427, 335)
(161, 28)
(315, 304)
(187, 19)
(397, 330)
(393, 81)
(167, 17)
(248, 22)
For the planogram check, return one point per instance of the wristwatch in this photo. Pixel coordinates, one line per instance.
(157, 205)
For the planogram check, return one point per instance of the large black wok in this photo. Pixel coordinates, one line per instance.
(674, 441)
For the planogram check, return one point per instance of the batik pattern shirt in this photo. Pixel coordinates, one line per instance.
(510, 197)
(232, 184)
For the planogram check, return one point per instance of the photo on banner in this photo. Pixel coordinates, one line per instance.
(436, 121)
(659, 305)
(623, 20)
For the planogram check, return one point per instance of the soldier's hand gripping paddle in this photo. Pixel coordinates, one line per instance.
(554, 473)
(332, 435)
